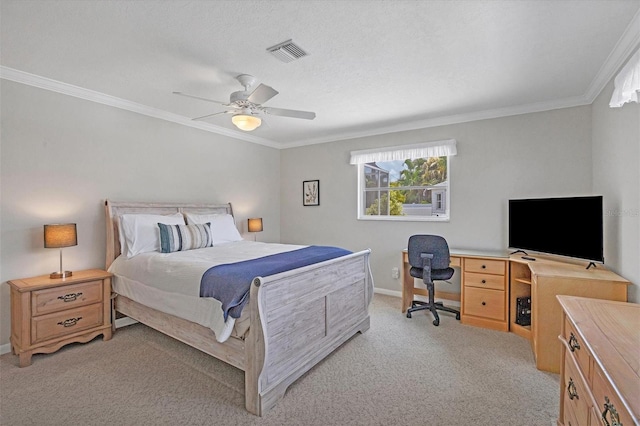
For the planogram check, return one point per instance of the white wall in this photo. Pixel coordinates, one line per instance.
(616, 174)
(531, 155)
(61, 157)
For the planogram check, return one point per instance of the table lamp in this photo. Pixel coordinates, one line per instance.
(255, 225)
(60, 235)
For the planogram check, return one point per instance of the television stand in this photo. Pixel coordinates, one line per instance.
(542, 281)
(591, 264)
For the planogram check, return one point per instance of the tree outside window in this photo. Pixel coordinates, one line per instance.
(410, 189)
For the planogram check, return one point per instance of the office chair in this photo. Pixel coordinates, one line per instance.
(429, 260)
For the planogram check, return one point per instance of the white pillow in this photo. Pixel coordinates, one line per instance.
(223, 228)
(141, 232)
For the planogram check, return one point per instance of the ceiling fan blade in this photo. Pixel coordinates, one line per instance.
(211, 115)
(198, 97)
(290, 113)
(262, 94)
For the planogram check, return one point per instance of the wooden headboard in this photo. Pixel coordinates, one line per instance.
(113, 209)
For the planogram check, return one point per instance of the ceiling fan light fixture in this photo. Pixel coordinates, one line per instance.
(246, 122)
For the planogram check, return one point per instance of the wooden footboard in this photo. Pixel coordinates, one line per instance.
(298, 318)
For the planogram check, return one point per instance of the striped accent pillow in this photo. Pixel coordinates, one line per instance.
(184, 237)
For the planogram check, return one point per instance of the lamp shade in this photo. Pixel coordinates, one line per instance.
(255, 225)
(60, 235)
(246, 122)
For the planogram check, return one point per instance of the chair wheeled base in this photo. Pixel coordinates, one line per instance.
(417, 305)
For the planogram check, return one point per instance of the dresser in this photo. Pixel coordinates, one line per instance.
(47, 313)
(600, 374)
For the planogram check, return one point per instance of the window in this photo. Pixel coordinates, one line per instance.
(399, 184)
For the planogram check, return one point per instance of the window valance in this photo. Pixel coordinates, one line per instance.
(402, 152)
(627, 83)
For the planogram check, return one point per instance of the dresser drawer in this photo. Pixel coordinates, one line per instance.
(576, 347)
(60, 324)
(484, 303)
(570, 418)
(602, 391)
(576, 396)
(475, 279)
(67, 297)
(495, 267)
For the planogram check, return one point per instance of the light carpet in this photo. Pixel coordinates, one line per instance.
(401, 371)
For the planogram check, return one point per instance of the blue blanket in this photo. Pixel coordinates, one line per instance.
(230, 283)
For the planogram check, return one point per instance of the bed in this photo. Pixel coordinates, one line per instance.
(295, 318)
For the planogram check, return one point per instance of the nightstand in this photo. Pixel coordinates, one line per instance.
(47, 313)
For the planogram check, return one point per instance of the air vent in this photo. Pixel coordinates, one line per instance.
(287, 51)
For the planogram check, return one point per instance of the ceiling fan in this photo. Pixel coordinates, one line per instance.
(247, 106)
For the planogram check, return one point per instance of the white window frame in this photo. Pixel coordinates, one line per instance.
(406, 218)
(443, 148)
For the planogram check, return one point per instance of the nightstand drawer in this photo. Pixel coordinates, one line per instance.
(484, 303)
(59, 324)
(495, 267)
(474, 279)
(67, 297)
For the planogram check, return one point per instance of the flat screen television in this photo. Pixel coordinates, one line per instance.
(570, 226)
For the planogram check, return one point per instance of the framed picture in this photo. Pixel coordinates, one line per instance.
(311, 193)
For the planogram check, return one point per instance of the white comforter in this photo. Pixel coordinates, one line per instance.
(170, 282)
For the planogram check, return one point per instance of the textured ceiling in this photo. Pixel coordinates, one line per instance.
(373, 66)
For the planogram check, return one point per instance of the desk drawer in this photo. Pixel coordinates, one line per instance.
(484, 303)
(495, 267)
(66, 297)
(58, 324)
(475, 279)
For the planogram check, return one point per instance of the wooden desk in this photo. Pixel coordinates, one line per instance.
(483, 293)
(492, 281)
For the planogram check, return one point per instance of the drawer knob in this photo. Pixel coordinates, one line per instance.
(70, 322)
(484, 281)
(610, 409)
(70, 297)
(484, 303)
(484, 266)
(571, 390)
(573, 343)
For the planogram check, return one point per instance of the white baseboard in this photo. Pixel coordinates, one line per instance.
(396, 293)
(6, 348)
(125, 321)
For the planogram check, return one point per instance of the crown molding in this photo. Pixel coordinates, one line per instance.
(623, 49)
(101, 98)
(451, 119)
(626, 45)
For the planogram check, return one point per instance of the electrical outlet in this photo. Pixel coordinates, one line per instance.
(395, 273)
